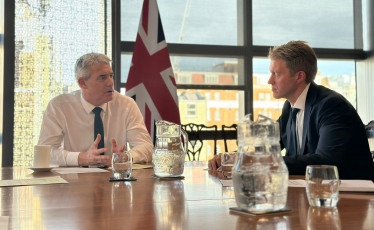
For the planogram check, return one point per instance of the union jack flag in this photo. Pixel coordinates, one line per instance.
(151, 79)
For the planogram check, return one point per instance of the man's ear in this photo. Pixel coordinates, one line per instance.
(82, 83)
(300, 76)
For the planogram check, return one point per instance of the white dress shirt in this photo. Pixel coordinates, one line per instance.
(300, 104)
(68, 126)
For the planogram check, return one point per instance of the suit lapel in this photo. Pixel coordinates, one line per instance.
(310, 98)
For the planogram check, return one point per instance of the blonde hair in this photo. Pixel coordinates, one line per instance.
(298, 57)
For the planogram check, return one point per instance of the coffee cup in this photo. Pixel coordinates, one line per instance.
(42, 156)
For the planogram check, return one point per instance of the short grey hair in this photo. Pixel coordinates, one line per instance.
(83, 64)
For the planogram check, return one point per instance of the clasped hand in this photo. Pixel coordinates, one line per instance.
(93, 157)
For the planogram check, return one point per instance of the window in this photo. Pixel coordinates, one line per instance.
(209, 150)
(261, 96)
(237, 115)
(184, 78)
(211, 79)
(188, 23)
(47, 47)
(268, 97)
(217, 96)
(217, 115)
(324, 24)
(218, 149)
(191, 110)
(225, 105)
(270, 114)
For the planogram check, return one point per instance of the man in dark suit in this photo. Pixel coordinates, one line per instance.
(318, 126)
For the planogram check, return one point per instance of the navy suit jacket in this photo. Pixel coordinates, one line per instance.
(333, 134)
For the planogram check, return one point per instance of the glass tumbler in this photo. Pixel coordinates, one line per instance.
(122, 165)
(227, 162)
(322, 185)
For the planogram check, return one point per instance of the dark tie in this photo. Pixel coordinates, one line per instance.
(291, 133)
(98, 127)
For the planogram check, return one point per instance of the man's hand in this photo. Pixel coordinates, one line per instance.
(93, 157)
(116, 148)
(215, 162)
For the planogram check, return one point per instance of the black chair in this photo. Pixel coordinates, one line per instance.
(370, 134)
(225, 134)
(196, 136)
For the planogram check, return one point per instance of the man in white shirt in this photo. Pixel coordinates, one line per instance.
(68, 121)
(317, 126)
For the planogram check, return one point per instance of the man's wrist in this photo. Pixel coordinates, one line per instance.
(82, 159)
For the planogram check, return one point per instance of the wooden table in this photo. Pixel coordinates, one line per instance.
(199, 201)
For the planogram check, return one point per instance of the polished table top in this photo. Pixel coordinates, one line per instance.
(198, 201)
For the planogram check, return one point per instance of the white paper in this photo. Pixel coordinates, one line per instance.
(140, 166)
(227, 183)
(297, 183)
(345, 186)
(356, 186)
(33, 181)
(63, 170)
(4, 222)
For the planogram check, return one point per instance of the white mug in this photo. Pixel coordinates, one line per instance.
(42, 156)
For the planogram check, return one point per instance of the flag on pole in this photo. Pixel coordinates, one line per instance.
(151, 79)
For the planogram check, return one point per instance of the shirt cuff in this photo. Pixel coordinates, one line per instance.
(72, 159)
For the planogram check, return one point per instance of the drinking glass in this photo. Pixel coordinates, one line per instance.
(227, 162)
(122, 165)
(322, 185)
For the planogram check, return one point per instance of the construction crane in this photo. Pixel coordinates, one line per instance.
(181, 35)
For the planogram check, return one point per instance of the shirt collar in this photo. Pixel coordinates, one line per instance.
(89, 107)
(300, 102)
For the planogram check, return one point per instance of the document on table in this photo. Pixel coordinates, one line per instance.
(69, 170)
(33, 181)
(4, 222)
(140, 166)
(345, 186)
(227, 183)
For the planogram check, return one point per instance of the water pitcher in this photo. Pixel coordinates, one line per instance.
(260, 176)
(169, 154)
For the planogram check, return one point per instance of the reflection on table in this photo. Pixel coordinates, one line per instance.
(199, 201)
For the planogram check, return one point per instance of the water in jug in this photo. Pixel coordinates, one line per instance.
(169, 154)
(260, 176)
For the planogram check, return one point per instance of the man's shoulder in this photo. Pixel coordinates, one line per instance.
(326, 95)
(66, 98)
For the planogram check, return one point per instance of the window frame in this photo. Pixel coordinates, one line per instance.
(248, 51)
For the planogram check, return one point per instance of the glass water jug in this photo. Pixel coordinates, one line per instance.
(260, 176)
(169, 154)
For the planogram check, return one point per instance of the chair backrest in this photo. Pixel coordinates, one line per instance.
(233, 127)
(370, 134)
(196, 138)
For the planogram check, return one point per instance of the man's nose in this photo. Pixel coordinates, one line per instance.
(111, 81)
(270, 81)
